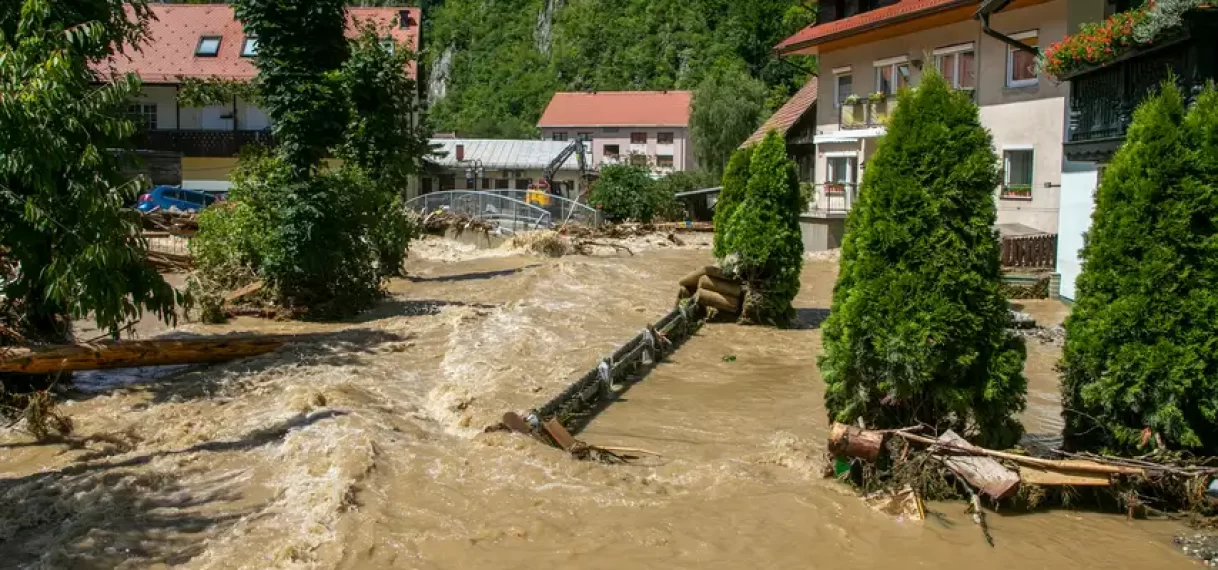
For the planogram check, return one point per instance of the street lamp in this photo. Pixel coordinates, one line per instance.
(473, 171)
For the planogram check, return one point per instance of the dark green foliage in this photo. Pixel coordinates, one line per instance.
(1142, 339)
(62, 193)
(624, 192)
(495, 65)
(762, 242)
(918, 328)
(727, 107)
(735, 184)
(300, 49)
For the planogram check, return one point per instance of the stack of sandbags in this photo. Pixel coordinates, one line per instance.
(712, 289)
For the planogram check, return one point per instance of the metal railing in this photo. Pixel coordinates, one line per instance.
(833, 199)
(865, 113)
(201, 142)
(561, 209)
(507, 213)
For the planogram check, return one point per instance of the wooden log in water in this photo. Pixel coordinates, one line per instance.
(724, 287)
(718, 301)
(131, 353)
(849, 441)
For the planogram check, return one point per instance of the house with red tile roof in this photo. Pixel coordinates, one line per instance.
(795, 121)
(206, 41)
(870, 49)
(648, 128)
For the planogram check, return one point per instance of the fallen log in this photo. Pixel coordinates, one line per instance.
(1055, 465)
(724, 287)
(984, 473)
(717, 301)
(131, 353)
(849, 441)
(243, 292)
(1046, 478)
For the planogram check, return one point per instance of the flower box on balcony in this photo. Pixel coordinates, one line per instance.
(1017, 192)
(834, 188)
(854, 115)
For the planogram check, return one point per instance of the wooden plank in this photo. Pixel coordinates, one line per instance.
(561, 436)
(984, 473)
(132, 353)
(1054, 478)
(514, 422)
(244, 291)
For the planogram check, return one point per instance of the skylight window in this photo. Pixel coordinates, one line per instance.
(250, 47)
(209, 46)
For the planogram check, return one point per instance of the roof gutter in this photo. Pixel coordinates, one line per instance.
(988, 8)
(872, 26)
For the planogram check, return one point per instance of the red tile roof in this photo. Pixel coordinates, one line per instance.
(169, 52)
(904, 9)
(618, 109)
(786, 116)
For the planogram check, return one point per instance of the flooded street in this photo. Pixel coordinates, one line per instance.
(361, 446)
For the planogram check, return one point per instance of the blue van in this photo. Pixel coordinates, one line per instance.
(167, 197)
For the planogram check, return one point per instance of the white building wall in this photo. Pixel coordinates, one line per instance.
(681, 150)
(1079, 182)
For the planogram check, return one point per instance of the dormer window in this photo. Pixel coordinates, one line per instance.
(250, 47)
(208, 46)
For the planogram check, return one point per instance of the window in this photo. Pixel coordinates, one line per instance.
(1017, 174)
(957, 64)
(485, 184)
(523, 183)
(208, 46)
(638, 138)
(845, 88)
(448, 182)
(143, 114)
(612, 150)
(664, 138)
(250, 47)
(842, 171)
(584, 136)
(891, 75)
(638, 159)
(389, 45)
(425, 185)
(558, 137)
(1021, 65)
(502, 184)
(664, 161)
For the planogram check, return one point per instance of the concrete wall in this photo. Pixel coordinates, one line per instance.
(681, 150)
(1079, 181)
(1023, 117)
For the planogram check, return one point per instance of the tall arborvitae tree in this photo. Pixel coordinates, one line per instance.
(762, 243)
(735, 183)
(69, 246)
(1141, 355)
(918, 328)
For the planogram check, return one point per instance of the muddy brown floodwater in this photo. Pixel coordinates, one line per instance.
(360, 447)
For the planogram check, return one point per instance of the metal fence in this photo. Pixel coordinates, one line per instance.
(834, 199)
(508, 213)
(1038, 251)
(561, 209)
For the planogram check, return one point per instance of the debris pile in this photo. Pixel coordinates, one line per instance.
(170, 223)
(441, 221)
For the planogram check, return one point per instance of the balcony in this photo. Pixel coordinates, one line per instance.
(212, 143)
(865, 113)
(1103, 99)
(833, 199)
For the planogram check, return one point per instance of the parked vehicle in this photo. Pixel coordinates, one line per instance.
(169, 198)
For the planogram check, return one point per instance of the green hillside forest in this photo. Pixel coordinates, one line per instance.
(492, 65)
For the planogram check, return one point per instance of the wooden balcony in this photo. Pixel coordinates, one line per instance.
(1103, 99)
(213, 143)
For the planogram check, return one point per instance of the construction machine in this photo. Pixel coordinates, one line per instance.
(540, 192)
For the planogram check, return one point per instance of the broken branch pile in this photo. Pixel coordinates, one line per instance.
(441, 221)
(172, 223)
(131, 353)
(897, 458)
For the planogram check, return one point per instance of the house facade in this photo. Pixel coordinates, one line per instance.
(796, 122)
(870, 49)
(207, 42)
(646, 128)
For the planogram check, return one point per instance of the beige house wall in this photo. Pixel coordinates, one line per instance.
(1018, 117)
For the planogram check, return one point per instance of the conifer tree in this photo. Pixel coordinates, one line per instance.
(1141, 355)
(735, 182)
(918, 328)
(762, 241)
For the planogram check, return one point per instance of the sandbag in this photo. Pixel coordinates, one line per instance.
(721, 286)
(719, 301)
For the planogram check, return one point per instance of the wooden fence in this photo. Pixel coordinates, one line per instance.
(1030, 252)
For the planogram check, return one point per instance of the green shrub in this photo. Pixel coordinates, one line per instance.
(668, 206)
(918, 327)
(762, 242)
(624, 192)
(735, 183)
(1140, 342)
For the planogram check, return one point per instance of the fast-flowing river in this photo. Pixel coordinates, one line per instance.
(361, 447)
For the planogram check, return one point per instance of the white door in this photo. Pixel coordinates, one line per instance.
(217, 118)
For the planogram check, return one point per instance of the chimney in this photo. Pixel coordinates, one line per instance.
(460, 153)
(404, 19)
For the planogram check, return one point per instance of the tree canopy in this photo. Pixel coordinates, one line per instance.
(727, 107)
(918, 328)
(1140, 365)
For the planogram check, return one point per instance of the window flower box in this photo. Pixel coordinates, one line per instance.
(835, 188)
(1017, 192)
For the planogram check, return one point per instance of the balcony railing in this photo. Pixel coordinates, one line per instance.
(865, 113)
(833, 199)
(217, 143)
(1103, 99)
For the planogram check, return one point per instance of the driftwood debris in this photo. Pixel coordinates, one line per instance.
(984, 473)
(170, 261)
(849, 441)
(243, 292)
(132, 353)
